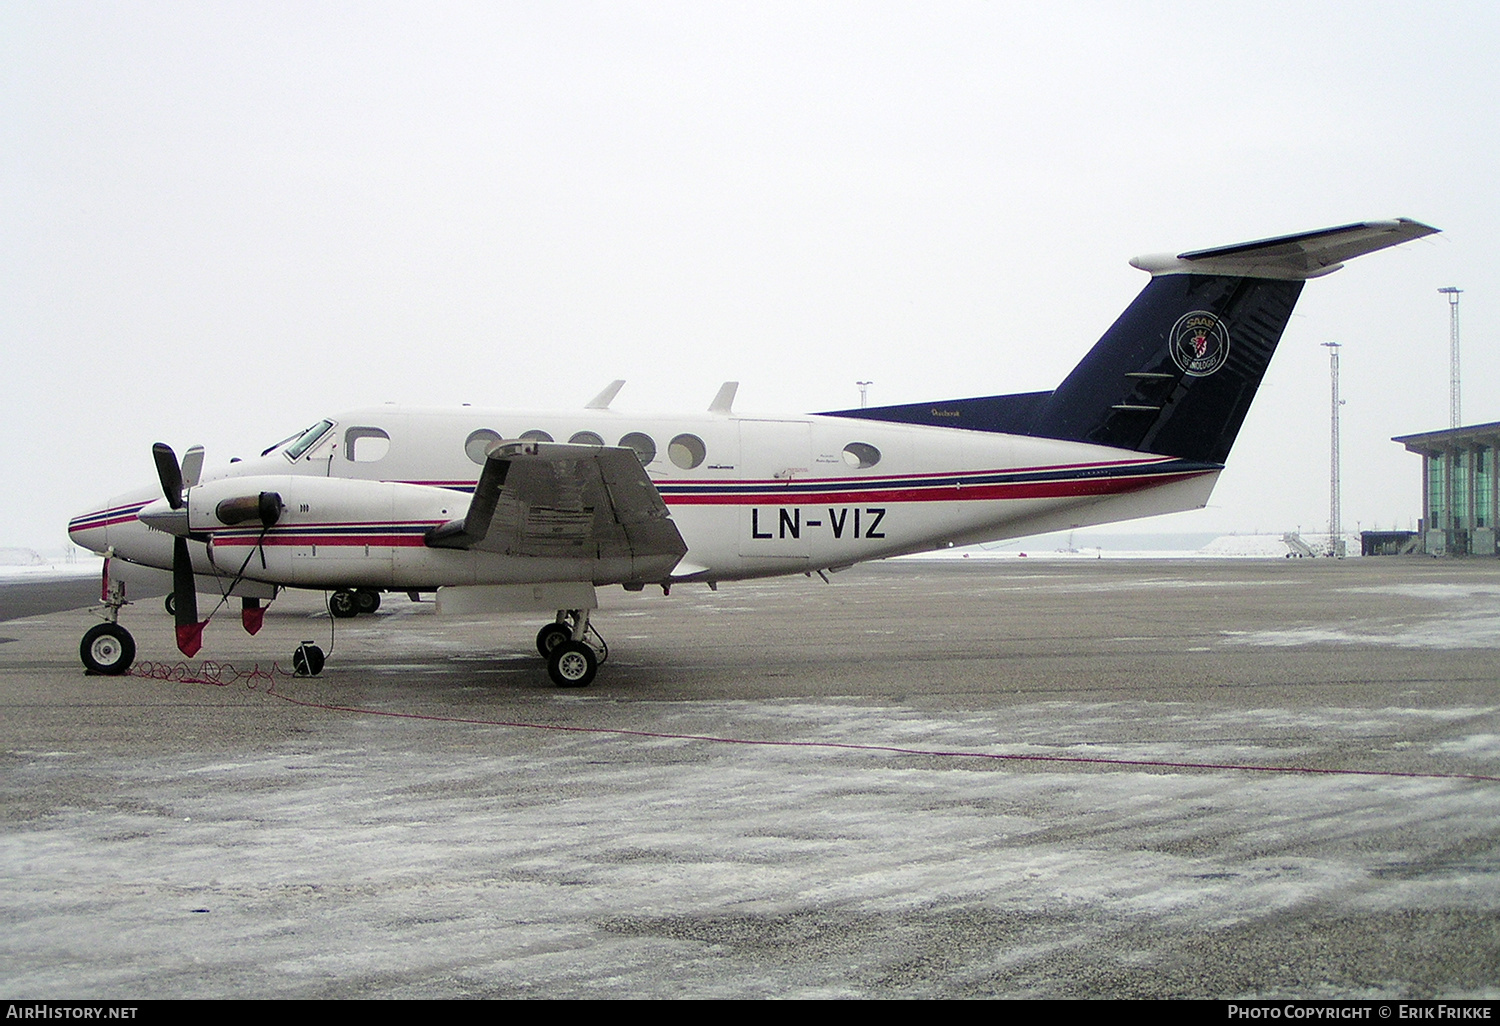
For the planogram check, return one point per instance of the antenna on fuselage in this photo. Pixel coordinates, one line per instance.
(725, 399)
(604, 398)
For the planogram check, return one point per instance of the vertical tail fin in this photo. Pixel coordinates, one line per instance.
(1176, 373)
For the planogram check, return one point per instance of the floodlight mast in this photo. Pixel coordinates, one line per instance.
(1335, 514)
(1455, 416)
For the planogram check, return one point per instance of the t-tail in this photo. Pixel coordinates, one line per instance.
(1176, 373)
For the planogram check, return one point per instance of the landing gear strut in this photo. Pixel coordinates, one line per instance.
(571, 660)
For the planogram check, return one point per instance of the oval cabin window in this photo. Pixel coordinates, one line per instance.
(687, 451)
(643, 444)
(477, 445)
(861, 455)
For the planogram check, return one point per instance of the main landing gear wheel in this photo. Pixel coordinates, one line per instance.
(572, 665)
(552, 635)
(107, 649)
(307, 661)
(342, 604)
(366, 600)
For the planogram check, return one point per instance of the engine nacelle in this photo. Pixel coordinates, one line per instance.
(315, 531)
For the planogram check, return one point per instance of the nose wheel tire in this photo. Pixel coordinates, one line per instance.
(550, 636)
(107, 649)
(170, 602)
(572, 665)
(366, 600)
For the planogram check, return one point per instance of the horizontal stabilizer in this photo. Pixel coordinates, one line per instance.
(1289, 257)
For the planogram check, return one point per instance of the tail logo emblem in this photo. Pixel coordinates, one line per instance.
(1200, 343)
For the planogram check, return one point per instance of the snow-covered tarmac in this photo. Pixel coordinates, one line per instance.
(168, 839)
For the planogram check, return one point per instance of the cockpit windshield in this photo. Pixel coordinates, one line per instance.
(307, 438)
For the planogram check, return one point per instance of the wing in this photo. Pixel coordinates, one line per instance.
(544, 499)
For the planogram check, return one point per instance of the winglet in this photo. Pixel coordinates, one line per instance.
(604, 398)
(725, 399)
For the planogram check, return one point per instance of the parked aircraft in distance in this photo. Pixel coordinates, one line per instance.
(497, 510)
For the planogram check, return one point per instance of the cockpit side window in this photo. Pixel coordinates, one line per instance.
(308, 439)
(272, 448)
(366, 444)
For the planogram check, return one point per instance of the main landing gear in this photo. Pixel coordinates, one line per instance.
(350, 602)
(572, 660)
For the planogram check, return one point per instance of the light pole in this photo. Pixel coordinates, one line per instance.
(1455, 417)
(1335, 515)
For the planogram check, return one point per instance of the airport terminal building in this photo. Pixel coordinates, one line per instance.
(1459, 498)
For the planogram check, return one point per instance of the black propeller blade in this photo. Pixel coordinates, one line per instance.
(169, 473)
(184, 591)
(185, 600)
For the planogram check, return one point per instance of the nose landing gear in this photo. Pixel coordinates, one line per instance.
(107, 648)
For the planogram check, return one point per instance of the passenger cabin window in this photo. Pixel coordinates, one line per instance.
(535, 436)
(477, 445)
(687, 451)
(643, 444)
(366, 444)
(861, 455)
(308, 439)
(586, 438)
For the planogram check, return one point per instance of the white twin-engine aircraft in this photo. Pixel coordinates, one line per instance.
(503, 511)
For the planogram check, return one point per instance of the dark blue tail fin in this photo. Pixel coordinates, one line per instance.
(1176, 373)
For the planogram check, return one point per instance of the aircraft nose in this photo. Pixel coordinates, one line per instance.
(90, 529)
(112, 523)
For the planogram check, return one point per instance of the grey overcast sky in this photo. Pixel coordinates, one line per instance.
(223, 221)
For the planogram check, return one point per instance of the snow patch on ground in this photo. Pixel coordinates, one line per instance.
(84, 566)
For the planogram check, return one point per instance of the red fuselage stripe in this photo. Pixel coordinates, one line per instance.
(949, 493)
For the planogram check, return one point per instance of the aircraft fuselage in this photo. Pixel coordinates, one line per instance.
(751, 496)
